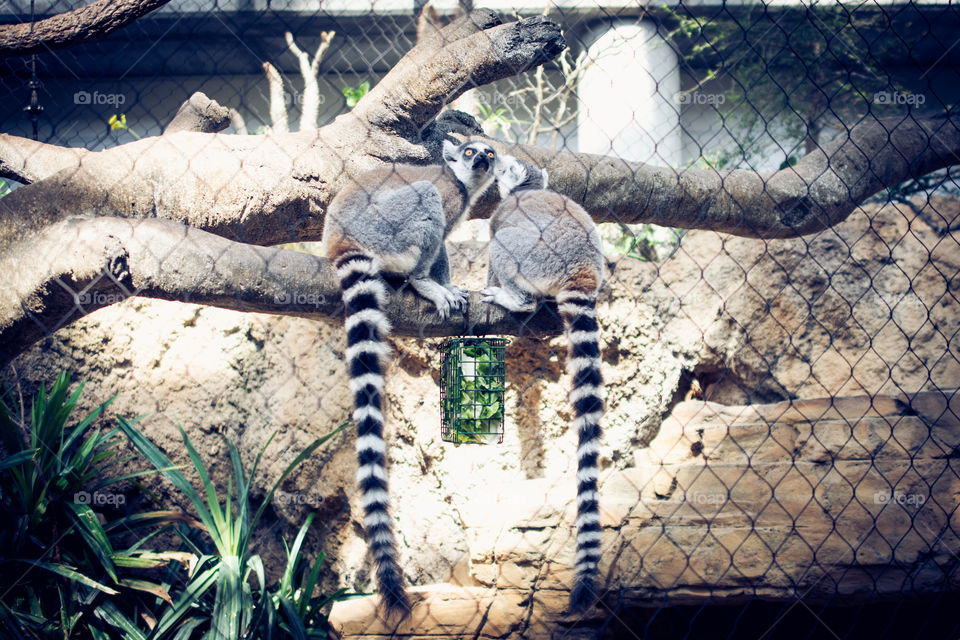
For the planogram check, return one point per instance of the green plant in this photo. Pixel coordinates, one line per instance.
(219, 596)
(120, 124)
(63, 563)
(638, 241)
(495, 119)
(353, 94)
(473, 379)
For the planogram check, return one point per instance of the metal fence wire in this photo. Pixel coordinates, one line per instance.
(777, 204)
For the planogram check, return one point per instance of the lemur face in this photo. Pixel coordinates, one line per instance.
(471, 162)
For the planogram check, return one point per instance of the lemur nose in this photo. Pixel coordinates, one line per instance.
(481, 161)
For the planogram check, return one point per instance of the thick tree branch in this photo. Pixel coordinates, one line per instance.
(25, 161)
(413, 94)
(200, 113)
(821, 190)
(90, 264)
(73, 27)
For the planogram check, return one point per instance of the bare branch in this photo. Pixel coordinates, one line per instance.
(278, 109)
(310, 105)
(200, 113)
(239, 124)
(90, 22)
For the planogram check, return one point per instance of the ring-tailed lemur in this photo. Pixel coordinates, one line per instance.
(393, 220)
(545, 245)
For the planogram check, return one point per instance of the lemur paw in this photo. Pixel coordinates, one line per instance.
(489, 295)
(459, 296)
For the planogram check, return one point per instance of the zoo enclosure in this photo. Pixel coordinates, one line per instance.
(801, 446)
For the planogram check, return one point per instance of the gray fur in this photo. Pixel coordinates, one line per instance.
(400, 215)
(538, 238)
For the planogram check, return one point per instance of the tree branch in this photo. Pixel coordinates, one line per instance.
(93, 21)
(821, 190)
(413, 94)
(199, 113)
(25, 161)
(278, 107)
(310, 103)
(94, 263)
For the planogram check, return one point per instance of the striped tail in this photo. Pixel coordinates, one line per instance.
(364, 294)
(583, 364)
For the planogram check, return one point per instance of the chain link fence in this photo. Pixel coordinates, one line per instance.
(781, 428)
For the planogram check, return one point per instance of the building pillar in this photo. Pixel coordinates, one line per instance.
(628, 96)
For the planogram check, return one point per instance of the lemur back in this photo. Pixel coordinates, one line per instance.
(393, 220)
(545, 245)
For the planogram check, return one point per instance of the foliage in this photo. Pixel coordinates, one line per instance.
(219, 596)
(352, 95)
(64, 564)
(5, 188)
(493, 120)
(788, 77)
(647, 242)
(120, 124)
(474, 398)
(75, 578)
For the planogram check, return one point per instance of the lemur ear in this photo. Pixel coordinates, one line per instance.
(546, 181)
(449, 151)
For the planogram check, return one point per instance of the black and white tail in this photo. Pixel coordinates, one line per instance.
(364, 294)
(583, 364)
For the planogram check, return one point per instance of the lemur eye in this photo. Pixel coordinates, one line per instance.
(489, 154)
(468, 152)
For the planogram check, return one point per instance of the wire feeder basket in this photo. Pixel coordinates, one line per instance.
(471, 390)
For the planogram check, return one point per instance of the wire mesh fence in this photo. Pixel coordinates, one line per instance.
(776, 199)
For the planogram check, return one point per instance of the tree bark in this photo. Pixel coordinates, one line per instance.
(93, 21)
(234, 191)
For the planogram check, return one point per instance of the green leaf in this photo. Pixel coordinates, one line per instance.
(147, 587)
(198, 586)
(293, 618)
(171, 472)
(91, 531)
(70, 573)
(17, 459)
(109, 613)
(306, 453)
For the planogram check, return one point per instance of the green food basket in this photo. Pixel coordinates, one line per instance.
(471, 390)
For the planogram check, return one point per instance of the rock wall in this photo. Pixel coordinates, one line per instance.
(869, 307)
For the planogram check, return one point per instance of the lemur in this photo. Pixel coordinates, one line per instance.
(545, 245)
(393, 220)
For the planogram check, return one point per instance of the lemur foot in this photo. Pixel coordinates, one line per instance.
(506, 299)
(441, 297)
(460, 295)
